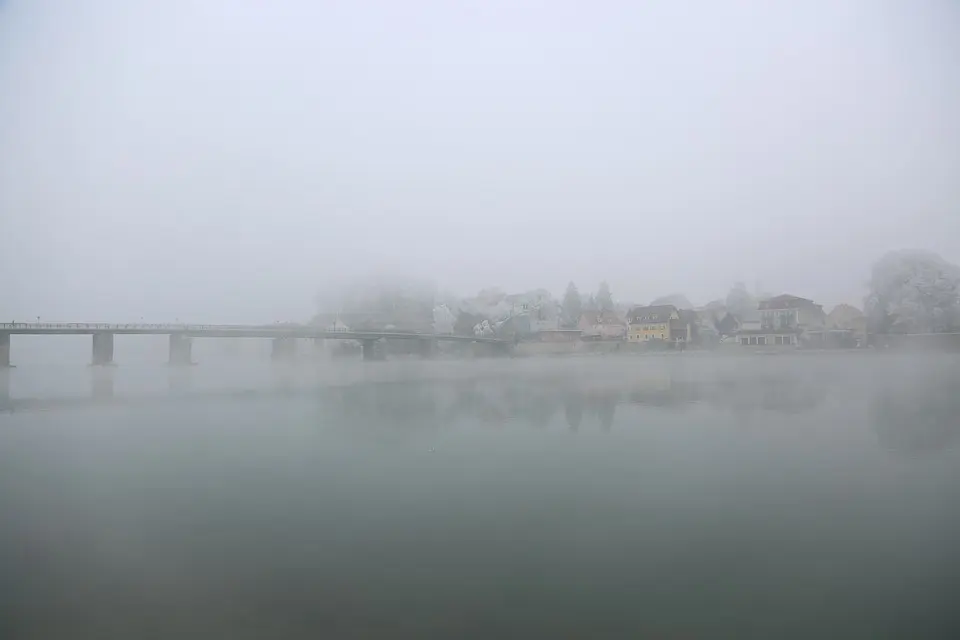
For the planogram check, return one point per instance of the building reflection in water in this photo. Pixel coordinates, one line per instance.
(917, 416)
(910, 413)
(537, 402)
(607, 410)
(573, 410)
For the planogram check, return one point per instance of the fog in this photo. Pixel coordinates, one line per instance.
(220, 161)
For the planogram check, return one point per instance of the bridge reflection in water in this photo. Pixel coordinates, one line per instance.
(919, 416)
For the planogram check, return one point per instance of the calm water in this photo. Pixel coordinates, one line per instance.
(673, 496)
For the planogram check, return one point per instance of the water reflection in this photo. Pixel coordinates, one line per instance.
(911, 410)
(537, 402)
(180, 380)
(277, 504)
(606, 410)
(573, 409)
(906, 418)
(917, 416)
(102, 383)
(4, 389)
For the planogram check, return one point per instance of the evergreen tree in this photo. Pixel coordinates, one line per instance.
(604, 297)
(572, 306)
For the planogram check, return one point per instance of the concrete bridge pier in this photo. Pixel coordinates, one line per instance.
(369, 348)
(102, 348)
(284, 349)
(180, 349)
(4, 350)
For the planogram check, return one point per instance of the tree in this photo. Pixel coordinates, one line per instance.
(913, 292)
(572, 305)
(443, 319)
(726, 325)
(382, 299)
(604, 298)
(678, 300)
(739, 301)
(464, 326)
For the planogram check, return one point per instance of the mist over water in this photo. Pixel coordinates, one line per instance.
(512, 170)
(746, 496)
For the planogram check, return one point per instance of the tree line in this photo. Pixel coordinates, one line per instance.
(573, 305)
(909, 291)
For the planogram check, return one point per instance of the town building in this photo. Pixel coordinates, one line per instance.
(844, 327)
(846, 317)
(602, 325)
(654, 323)
(785, 320)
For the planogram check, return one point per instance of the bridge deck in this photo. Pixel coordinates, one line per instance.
(225, 331)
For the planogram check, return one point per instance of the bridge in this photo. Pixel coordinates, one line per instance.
(284, 337)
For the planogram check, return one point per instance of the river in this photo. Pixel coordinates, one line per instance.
(675, 496)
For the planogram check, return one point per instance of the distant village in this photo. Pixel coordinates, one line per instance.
(669, 322)
(911, 293)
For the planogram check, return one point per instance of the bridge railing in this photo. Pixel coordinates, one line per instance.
(107, 326)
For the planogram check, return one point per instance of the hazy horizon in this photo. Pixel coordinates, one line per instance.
(223, 161)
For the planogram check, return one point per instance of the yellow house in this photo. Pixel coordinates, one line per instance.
(651, 323)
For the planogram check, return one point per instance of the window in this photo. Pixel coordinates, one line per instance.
(762, 340)
(744, 340)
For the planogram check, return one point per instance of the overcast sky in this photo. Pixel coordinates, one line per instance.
(220, 160)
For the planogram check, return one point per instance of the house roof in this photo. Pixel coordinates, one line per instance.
(846, 309)
(786, 301)
(656, 313)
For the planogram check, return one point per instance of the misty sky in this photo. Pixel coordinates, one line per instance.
(219, 161)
